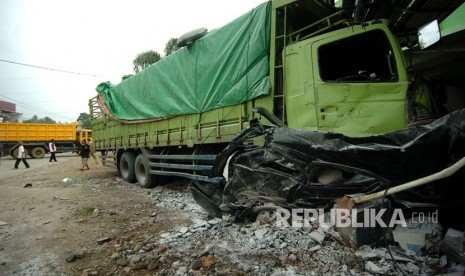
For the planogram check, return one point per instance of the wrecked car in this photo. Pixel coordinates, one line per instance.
(309, 169)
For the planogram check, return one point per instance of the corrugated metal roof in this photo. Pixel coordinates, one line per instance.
(407, 16)
(7, 106)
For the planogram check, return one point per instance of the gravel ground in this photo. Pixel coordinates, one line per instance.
(92, 223)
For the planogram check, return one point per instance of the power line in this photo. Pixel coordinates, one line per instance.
(51, 69)
(25, 104)
(30, 93)
(33, 108)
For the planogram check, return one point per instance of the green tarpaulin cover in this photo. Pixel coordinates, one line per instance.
(227, 66)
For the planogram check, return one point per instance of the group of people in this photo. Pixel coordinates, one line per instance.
(86, 150)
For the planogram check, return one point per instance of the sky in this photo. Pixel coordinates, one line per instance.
(53, 53)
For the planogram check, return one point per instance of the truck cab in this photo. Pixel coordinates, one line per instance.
(83, 134)
(335, 75)
(352, 81)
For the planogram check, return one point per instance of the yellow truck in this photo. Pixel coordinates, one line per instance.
(36, 137)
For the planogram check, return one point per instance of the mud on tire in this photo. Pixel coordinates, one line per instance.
(126, 167)
(142, 168)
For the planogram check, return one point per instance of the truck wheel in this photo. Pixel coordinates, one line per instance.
(37, 152)
(144, 178)
(14, 153)
(126, 167)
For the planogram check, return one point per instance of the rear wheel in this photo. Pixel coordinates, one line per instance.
(37, 152)
(142, 168)
(126, 167)
(14, 153)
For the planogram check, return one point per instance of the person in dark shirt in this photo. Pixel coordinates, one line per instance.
(84, 152)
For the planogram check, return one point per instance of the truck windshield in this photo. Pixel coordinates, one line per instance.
(365, 57)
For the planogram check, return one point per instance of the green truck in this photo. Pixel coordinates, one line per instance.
(301, 64)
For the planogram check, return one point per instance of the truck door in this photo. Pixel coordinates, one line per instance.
(299, 95)
(360, 82)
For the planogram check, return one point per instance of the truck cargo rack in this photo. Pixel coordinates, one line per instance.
(319, 27)
(282, 38)
(94, 108)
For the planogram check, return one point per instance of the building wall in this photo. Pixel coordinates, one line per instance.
(8, 112)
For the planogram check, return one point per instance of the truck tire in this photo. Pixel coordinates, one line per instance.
(37, 152)
(14, 153)
(126, 167)
(144, 178)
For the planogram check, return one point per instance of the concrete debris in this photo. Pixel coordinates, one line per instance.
(318, 235)
(443, 261)
(366, 253)
(373, 268)
(96, 212)
(419, 237)
(75, 256)
(453, 245)
(103, 240)
(260, 233)
(222, 247)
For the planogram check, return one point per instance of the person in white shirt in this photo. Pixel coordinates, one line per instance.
(21, 156)
(52, 148)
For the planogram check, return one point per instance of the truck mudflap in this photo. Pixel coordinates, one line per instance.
(305, 169)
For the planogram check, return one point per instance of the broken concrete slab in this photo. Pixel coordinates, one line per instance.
(367, 253)
(363, 229)
(453, 245)
(416, 236)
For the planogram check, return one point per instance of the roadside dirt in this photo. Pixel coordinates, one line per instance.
(64, 213)
(58, 220)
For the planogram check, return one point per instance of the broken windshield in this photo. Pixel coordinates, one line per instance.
(361, 58)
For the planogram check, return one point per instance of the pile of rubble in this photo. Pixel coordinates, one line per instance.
(224, 247)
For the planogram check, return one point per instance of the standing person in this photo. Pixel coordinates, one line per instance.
(92, 152)
(21, 156)
(1, 151)
(84, 152)
(53, 149)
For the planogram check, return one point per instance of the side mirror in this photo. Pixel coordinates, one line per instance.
(428, 34)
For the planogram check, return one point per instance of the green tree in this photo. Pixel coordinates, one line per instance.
(145, 59)
(84, 119)
(171, 46)
(34, 119)
(45, 120)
